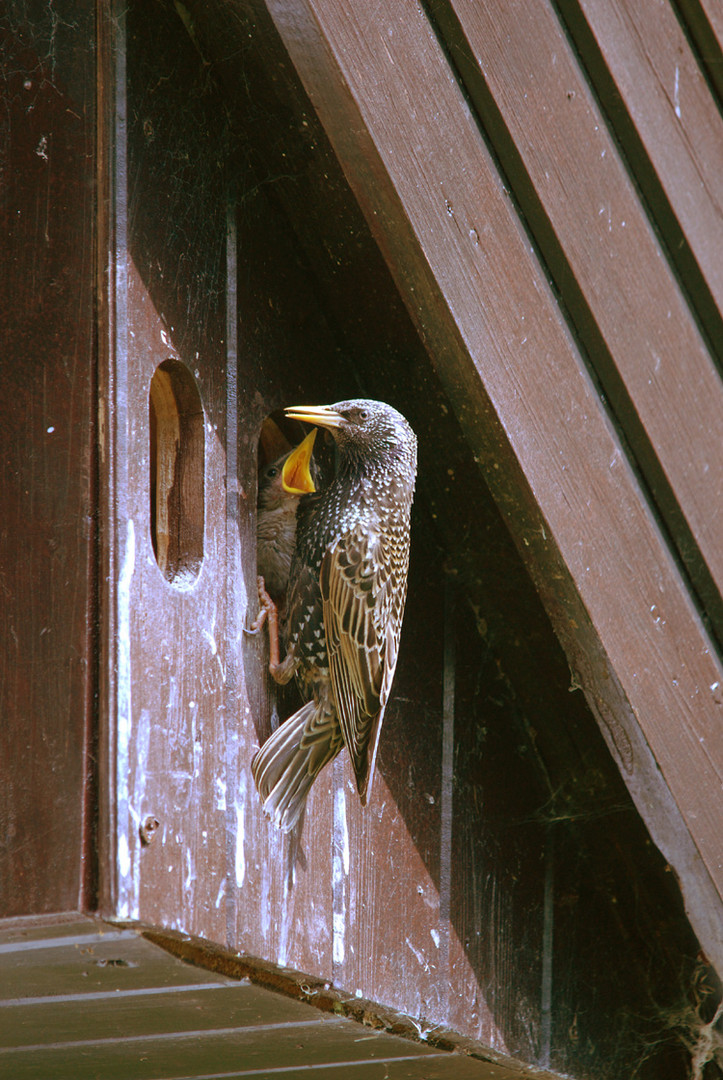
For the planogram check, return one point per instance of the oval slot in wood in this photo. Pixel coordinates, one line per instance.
(177, 481)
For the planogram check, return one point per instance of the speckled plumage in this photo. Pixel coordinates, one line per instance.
(347, 590)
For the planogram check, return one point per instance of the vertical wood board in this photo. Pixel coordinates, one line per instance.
(47, 461)
(167, 645)
(387, 889)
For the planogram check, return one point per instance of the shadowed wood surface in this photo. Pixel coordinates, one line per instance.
(47, 458)
(83, 999)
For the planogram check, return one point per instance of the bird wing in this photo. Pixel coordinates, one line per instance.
(362, 623)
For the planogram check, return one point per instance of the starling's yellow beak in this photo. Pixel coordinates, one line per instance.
(295, 475)
(322, 415)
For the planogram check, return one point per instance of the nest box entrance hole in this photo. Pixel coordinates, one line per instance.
(177, 480)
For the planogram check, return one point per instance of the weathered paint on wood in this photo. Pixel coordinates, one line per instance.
(499, 830)
(461, 894)
(191, 701)
(47, 435)
(167, 641)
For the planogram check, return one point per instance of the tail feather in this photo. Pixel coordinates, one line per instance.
(288, 763)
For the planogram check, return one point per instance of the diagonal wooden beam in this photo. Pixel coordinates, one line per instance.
(608, 260)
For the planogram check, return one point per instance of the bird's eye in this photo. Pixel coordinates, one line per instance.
(363, 414)
(272, 472)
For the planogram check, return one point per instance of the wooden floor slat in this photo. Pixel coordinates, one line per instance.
(101, 995)
(96, 963)
(234, 1006)
(70, 941)
(49, 927)
(434, 1067)
(320, 1043)
(87, 1001)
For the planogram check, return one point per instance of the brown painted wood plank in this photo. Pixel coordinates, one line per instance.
(670, 401)
(675, 115)
(387, 912)
(703, 20)
(316, 1042)
(188, 699)
(417, 164)
(47, 453)
(120, 1013)
(283, 904)
(654, 77)
(90, 966)
(164, 643)
(158, 1025)
(30, 928)
(168, 662)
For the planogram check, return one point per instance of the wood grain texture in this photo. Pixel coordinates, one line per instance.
(669, 102)
(388, 889)
(165, 643)
(499, 830)
(445, 895)
(632, 315)
(198, 280)
(47, 460)
(704, 21)
(421, 173)
(107, 1001)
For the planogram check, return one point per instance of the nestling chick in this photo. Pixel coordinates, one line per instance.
(347, 590)
(281, 486)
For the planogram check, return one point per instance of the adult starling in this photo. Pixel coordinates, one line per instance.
(281, 486)
(347, 589)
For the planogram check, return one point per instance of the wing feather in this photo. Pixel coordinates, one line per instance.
(362, 622)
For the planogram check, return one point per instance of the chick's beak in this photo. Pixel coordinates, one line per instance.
(321, 415)
(295, 474)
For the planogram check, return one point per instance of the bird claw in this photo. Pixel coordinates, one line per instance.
(266, 607)
(268, 612)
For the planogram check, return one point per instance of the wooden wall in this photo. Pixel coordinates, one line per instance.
(286, 203)
(47, 459)
(501, 870)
